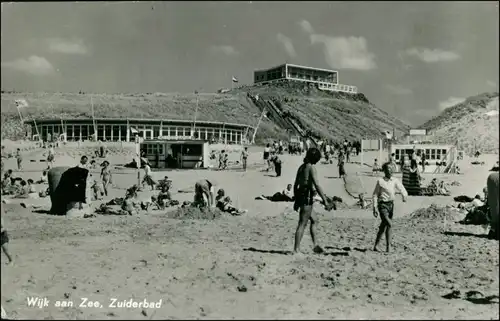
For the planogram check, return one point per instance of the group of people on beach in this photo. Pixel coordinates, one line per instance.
(304, 192)
(307, 185)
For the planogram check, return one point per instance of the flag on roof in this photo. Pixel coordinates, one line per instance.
(234, 79)
(134, 130)
(21, 103)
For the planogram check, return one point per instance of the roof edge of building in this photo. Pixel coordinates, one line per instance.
(298, 66)
(32, 121)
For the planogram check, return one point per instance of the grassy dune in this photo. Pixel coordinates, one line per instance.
(336, 116)
(469, 124)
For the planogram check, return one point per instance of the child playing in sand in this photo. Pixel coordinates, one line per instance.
(306, 182)
(4, 239)
(204, 191)
(97, 191)
(224, 204)
(43, 179)
(383, 203)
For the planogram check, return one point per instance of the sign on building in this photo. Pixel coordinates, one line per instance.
(418, 132)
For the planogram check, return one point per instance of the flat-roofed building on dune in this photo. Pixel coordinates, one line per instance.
(325, 79)
(121, 129)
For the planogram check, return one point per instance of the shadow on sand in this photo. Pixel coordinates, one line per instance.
(483, 236)
(282, 252)
(346, 248)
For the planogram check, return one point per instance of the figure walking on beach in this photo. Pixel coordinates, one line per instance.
(267, 153)
(105, 176)
(383, 204)
(306, 183)
(19, 159)
(50, 156)
(148, 178)
(244, 157)
(340, 165)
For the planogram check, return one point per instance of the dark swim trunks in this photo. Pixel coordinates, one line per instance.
(386, 209)
(4, 238)
(303, 198)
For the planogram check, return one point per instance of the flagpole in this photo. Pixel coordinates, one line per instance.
(20, 115)
(93, 118)
(36, 128)
(195, 113)
(258, 124)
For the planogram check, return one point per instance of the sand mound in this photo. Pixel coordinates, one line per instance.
(435, 212)
(194, 213)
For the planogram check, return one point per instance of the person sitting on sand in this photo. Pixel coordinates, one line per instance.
(164, 182)
(27, 190)
(363, 202)
(44, 178)
(306, 182)
(129, 204)
(204, 193)
(44, 193)
(224, 204)
(284, 196)
(164, 197)
(383, 203)
(443, 189)
(7, 182)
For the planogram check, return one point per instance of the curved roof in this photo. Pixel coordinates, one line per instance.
(136, 120)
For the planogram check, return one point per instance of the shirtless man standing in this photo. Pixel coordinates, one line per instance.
(306, 182)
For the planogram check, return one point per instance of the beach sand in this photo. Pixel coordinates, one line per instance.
(240, 267)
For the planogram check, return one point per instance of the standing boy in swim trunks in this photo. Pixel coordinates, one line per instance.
(244, 157)
(306, 182)
(383, 203)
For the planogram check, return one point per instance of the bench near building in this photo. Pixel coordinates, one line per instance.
(121, 129)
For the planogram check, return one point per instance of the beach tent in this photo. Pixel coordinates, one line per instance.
(68, 187)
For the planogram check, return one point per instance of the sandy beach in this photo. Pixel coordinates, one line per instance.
(241, 267)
